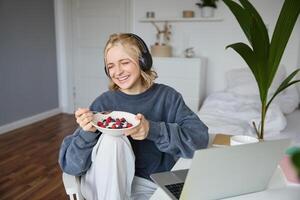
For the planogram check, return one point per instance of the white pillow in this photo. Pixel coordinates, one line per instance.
(242, 82)
(288, 100)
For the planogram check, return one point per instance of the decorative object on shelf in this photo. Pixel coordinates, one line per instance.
(150, 14)
(161, 51)
(263, 56)
(207, 7)
(188, 14)
(189, 52)
(161, 48)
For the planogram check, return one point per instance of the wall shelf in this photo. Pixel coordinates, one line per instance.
(193, 19)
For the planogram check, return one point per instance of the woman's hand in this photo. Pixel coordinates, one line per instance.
(141, 131)
(83, 118)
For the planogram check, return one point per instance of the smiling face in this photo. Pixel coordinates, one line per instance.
(123, 70)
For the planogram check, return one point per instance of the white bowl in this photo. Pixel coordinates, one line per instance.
(242, 139)
(115, 114)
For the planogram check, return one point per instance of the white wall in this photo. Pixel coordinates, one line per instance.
(210, 38)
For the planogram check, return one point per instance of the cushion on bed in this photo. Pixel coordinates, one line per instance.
(242, 82)
(225, 112)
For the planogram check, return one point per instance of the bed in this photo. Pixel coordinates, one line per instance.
(233, 110)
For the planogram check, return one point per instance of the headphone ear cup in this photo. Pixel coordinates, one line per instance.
(142, 63)
(145, 61)
(105, 69)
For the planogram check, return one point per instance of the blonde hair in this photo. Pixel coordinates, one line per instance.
(132, 48)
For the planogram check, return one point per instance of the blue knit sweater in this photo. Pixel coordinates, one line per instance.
(175, 131)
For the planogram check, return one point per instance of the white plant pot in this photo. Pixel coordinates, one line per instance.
(207, 11)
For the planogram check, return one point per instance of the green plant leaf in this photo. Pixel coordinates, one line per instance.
(256, 32)
(257, 27)
(249, 57)
(246, 52)
(242, 17)
(283, 29)
(260, 43)
(260, 46)
(285, 84)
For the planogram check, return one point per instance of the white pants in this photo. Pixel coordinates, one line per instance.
(111, 175)
(142, 189)
(112, 170)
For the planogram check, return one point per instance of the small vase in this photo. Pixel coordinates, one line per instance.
(207, 12)
(161, 50)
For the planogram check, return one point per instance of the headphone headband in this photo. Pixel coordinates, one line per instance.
(143, 47)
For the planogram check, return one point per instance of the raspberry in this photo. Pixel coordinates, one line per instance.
(108, 120)
(114, 126)
(118, 122)
(100, 123)
(123, 119)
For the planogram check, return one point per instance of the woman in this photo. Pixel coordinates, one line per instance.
(168, 129)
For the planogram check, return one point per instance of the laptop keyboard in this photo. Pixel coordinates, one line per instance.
(175, 189)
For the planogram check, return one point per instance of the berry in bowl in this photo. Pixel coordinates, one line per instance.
(115, 122)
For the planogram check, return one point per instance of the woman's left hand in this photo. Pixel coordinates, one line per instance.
(139, 132)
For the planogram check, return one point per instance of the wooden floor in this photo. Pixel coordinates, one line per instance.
(28, 160)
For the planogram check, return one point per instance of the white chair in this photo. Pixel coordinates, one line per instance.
(72, 186)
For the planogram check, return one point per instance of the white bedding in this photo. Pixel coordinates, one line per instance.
(233, 110)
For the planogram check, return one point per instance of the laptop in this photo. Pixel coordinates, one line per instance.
(217, 173)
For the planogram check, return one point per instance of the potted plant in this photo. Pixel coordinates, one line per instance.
(263, 55)
(207, 7)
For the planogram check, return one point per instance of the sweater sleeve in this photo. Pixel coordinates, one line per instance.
(75, 152)
(181, 135)
(76, 149)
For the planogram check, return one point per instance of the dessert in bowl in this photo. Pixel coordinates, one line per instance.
(115, 122)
